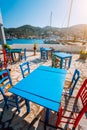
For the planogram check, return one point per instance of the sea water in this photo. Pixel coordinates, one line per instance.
(24, 41)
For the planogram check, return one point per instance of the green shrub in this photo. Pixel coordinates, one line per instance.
(83, 55)
(35, 46)
(6, 46)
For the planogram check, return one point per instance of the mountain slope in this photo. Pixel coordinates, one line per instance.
(28, 30)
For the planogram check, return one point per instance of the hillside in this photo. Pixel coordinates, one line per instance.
(28, 31)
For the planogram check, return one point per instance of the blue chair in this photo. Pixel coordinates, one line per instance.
(5, 84)
(23, 54)
(44, 54)
(25, 69)
(70, 85)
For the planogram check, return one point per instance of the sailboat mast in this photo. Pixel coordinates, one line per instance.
(50, 19)
(69, 17)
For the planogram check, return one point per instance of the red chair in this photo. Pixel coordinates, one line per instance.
(79, 107)
(7, 57)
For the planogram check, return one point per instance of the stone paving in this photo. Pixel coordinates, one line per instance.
(11, 120)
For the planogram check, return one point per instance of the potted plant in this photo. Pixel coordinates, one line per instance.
(6, 46)
(35, 47)
(83, 55)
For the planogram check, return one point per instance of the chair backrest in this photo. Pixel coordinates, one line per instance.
(5, 58)
(1, 64)
(82, 95)
(53, 60)
(44, 54)
(25, 68)
(74, 81)
(5, 80)
(23, 54)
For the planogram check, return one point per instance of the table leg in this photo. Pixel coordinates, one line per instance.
(61, 63)
(12, 55)
(69, 62)
(47, 115)
(6, 102)
(47, 55)
(16, 99)
(27, 105)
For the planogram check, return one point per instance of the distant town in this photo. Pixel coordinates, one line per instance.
(74, 33)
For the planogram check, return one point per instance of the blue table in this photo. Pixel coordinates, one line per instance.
(13, 52)
(47, 51)
(43, 86)
(62, 56)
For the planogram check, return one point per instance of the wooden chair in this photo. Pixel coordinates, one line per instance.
(25, 69)
(70, 85)
(66, 63)
(5, 84)
(7, 57)
(74, 108)
(44, 54)
(51, 52)
(55, 61)
(23, 54)
(1, 64)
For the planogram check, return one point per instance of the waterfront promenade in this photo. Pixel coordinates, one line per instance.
(10, 119)
(72, 48)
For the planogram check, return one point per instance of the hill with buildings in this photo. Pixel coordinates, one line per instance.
(27, 31)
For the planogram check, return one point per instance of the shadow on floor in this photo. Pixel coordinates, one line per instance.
(80, 60)
(36, 61)
(11, 120)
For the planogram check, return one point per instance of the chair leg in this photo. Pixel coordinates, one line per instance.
(16, 99)
(24, 57)
(86, 114)
(20, 57)
(59, 116)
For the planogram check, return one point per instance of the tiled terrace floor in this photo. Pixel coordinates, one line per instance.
(11, 120)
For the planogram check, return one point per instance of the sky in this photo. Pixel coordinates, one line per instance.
(37, 13)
